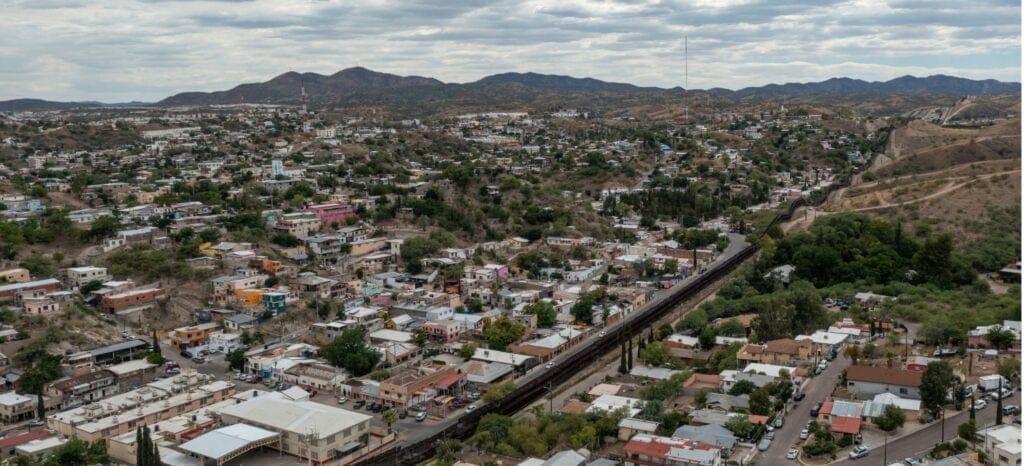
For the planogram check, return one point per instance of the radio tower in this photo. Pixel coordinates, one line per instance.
(305, 111)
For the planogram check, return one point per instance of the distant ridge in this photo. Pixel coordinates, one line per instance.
(360, 86)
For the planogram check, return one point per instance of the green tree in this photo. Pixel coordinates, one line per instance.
(1009, 368)
(743, 387)
(583, 310)
(892, 418)
(740, 426)
(235, 359)
(658, 354)
(545, 312)
(447, 450)
(665, 331)
(501, 332)
(1001, 338)
(104, 226)
(499, 391)
(935, 384)
(420, 338)
(42, 372)
(389, 417)
(967, 431)
(760, 402)
(732, 328)
(622, 359)
(693, 321)
(934, 260)
(349, 351)
(467, 351)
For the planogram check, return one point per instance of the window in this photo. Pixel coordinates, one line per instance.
(903, 391)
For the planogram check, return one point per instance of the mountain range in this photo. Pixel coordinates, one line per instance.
(359, 86)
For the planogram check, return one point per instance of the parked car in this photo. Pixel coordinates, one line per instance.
(470, 408)
(858, 451)
(549, 365)
(198, 360)
(421, 416)
(1010, 410)
(359, 404)
(778, 422)
(818, 370)
(1003, 394)
(764, 444)
(602, 333)
(403, 414)
(792, 454)
(815, 409)
(770, 435)
(799, 396)
(980, 404)
(342, 400)
(37, 422)
(804, 434)
(913, 461)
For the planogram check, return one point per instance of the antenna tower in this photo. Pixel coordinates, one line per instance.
(686, 79)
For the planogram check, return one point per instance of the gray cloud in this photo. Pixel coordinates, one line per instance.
(147, 49)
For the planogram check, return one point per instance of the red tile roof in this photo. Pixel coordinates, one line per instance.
(846, 425)
(757, 419)
(883, 375)
(22, 439)
(826, 408)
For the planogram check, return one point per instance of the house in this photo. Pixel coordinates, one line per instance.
(919, 363)
(196, 335)
(80, 276)
(141, 298)
(82, 389)
(417, 386)
(15, 275)
(784, 351)
(868, 381)
(726, 402)
(701, 383)
(978, 337)
(239, 323)
(876, 407)
(710, 434)
(445, 331)
(220, 342)
(609, 403)
(652, 450)
(629, 426)
(1001, 444)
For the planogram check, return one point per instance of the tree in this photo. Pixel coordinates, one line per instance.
(499, 391)
(934, 260)
(892, 418)
(743, 387)
(420, 338)
(45, 370)
(731, 328)
(583, 310)
(349, 351)
(665, 331)
(760, 402)
(935, 384)
(389, 417)
(622, 359)
(146, 452)
(999, 404)
(693, 321)
(629, 355)
(853, 352)
(740, 426)
(502, 332)
(657, 354)
(1000, 338)
(1009, 368)
(967, 431)
(545, 312)
(467, 351)
(447, 449)
(652, 409)
(105, 225)
(236, 359)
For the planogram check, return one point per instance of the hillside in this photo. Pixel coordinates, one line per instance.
(921, 147)
(360, 87)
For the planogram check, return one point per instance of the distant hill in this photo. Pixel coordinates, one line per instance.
(37, 105)
(362, 87)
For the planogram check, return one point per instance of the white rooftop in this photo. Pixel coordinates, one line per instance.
(219, 443)
(298, 417)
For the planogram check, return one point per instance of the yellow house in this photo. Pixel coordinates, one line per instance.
(250, 297)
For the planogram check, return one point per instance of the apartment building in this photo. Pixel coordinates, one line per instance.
(78, 277)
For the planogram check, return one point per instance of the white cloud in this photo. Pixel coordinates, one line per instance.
(121, 50)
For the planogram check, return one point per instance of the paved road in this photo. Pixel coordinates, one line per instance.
(924, 439)
(817, 389)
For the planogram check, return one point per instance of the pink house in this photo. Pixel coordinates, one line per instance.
(331, 213)
(446, 331)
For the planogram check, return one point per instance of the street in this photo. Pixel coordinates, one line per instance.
(817, 389)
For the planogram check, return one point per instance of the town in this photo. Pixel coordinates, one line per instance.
(267, 284)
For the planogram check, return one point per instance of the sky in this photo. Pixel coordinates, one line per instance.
(125, 50)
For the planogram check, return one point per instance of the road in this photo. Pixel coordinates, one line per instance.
(925, 439)
(817, 389)
(736, 244)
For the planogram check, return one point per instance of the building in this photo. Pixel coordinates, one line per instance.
(417, 386)
(82, 389)
(33, 288)
(333, 213)
(629, 426)
(299, 225)
(220, 342)
(652, 450)
(141, 298)
(15, 275)
(784, 351)
(1001, 444)
(445, 331)
(310, 431)
(868, 381)
(80, 276)
(134, 373)
(16, 408)
(710, 434)
(111, 354)
(315, 375)
(196, 335)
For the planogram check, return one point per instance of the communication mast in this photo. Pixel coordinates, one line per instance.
(686, 79)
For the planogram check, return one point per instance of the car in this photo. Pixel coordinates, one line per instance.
(359, 404)
(602, 333)
(421, 416)
(198, 360)
(980, 404)
(792, 454)
(818, 370)
(1003, 394)
(815, 409)
(403, 414)
(764, 444)
(769, 427)
(858, 451)
(37, 422)
(770, 435)
(470, 408)
(778, 422)
(549, 365)
(799, 396)
(804, 434)
(1010, 410)
(342, 400)
(913, 461)
(474, 396)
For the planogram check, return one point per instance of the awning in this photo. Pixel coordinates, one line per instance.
(349, 447)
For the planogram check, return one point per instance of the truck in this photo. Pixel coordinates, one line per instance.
(990, 383)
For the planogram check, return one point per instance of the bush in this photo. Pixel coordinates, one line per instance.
(819, 447)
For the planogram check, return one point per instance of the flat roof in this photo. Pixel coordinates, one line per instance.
(219, 443)
(296, 416)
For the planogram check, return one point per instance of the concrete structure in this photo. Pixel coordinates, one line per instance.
(15, 275)
(16, 408)
(1001, 444)
(132, 299)
(230, 442)
(82, 389)
(80, 276)
(196, 335)
(652, 450)
(784, 351)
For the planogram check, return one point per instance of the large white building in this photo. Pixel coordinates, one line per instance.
(1002, 444)
(308, 430)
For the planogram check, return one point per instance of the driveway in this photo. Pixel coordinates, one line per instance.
(817, 389)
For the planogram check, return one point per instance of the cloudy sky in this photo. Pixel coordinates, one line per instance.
(121, 50)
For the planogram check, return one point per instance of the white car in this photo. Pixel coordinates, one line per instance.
(804, 434)
(980, 404)
(792, 454)
(859, 451)
(602, 333)
(470, 408)
(342, 400)
(549, 365)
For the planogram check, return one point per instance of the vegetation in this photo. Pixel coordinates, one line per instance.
(543, 432)
(501, 332)
(350, 352)
(146, 452)
(936, 382)
(498, 391)
(891, 419)
(545, 312)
